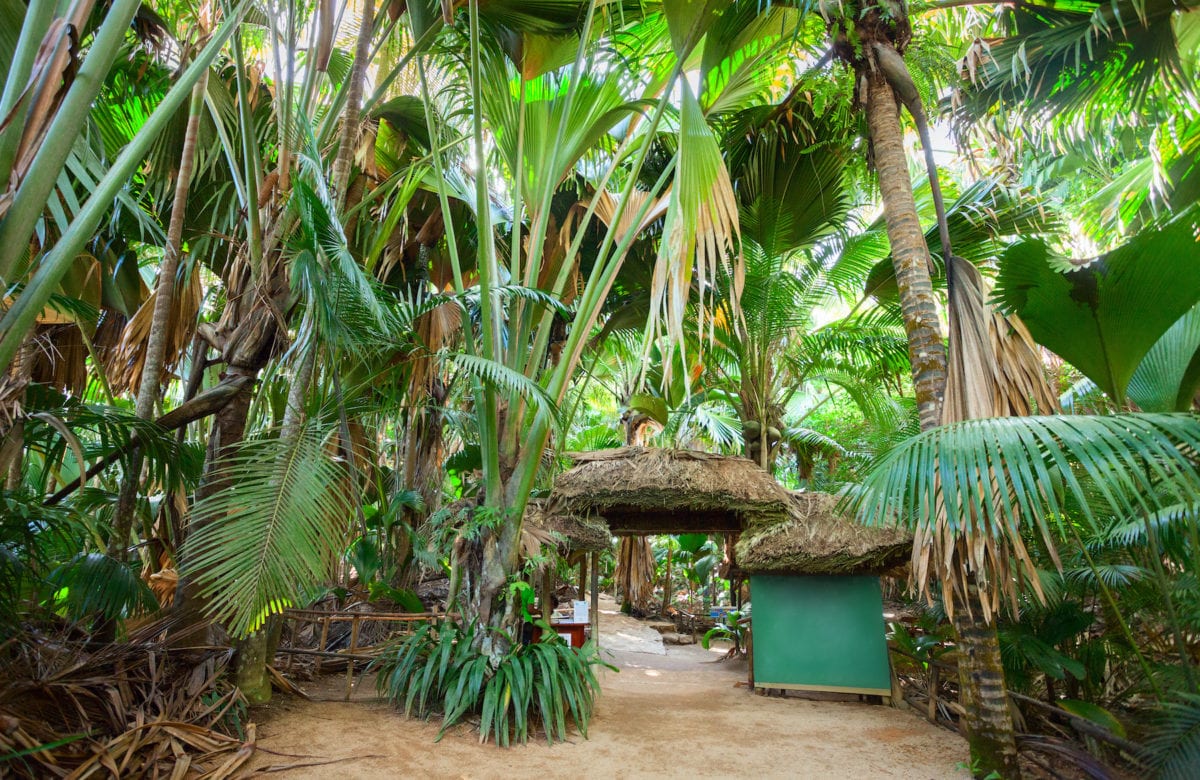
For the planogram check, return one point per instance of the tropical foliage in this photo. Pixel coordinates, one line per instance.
(306, 301)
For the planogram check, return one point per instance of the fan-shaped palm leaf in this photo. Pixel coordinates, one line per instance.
(1107, 315)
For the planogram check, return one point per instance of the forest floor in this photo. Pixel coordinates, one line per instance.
(674, 711)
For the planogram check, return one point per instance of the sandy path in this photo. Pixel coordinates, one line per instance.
(672, 715)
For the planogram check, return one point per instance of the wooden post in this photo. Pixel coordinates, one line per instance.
(596, 598)
(667, 581)
(350, 661)
(750, 654)
(583, 577)
(934, 684)
(547, 591)
(324, 640)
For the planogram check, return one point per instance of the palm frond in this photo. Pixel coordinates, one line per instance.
(508, 381)
(981, 484)
(261, 544)
(93, 584)
(1173, 747)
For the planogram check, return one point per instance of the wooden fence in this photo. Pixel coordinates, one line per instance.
(356, 651)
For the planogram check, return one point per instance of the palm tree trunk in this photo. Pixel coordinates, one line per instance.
(255, 651)
(164, 299)
(354, 91)
(910, 255)
(987, 720)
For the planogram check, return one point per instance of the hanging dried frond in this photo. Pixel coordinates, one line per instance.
(701, 234)
(995, 367)
(127, 360)
(994, 370)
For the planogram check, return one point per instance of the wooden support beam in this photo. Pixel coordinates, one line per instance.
(595, 610)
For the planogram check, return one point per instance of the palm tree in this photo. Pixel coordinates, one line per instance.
(1117, 82)
(859, 34)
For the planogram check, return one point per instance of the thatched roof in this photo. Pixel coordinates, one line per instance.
(641, 490)
(571, 531)
(566, 530)
(817, 539)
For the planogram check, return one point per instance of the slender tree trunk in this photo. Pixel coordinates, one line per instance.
(164, 299)
(229, 426)
(910, 255)
(988, 720)
(255, 651)
(354, 92)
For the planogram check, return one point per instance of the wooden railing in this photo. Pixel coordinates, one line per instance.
(403, 624)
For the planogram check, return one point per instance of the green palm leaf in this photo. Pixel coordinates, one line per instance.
(1168, 377)
(95, 584)
(1105, 317)
(260, 544)
(1174, 744)
(982, 483)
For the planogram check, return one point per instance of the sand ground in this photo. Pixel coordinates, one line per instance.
(678, 713)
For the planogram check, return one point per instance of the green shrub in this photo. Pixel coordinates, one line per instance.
(441, 669)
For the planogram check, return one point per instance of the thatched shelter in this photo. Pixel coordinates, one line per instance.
(570, 532)
(641, 490)
(818, 539)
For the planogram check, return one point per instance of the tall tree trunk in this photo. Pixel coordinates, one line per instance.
(988, 720)
(354, 92)
(247, 337)
(255, 651)
(149, 388)
(910, 255)
(982, 694)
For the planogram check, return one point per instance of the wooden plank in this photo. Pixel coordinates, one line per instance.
(324, 641)
(825, 688)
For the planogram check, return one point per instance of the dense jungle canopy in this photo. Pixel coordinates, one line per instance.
(309, 300)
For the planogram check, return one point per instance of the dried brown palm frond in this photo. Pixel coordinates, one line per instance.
(128, 358)
(995, 367)
(606, 209)
(60, 359)
(994, 370)
(131, 709)
(12, 398)
(435, 330)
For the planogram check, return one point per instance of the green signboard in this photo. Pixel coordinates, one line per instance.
(819, 634)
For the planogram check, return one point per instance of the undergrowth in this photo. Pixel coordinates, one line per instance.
(442, 670)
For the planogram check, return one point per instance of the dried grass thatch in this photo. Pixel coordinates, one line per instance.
(570, 531)
(643, 490)
(818, 539)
